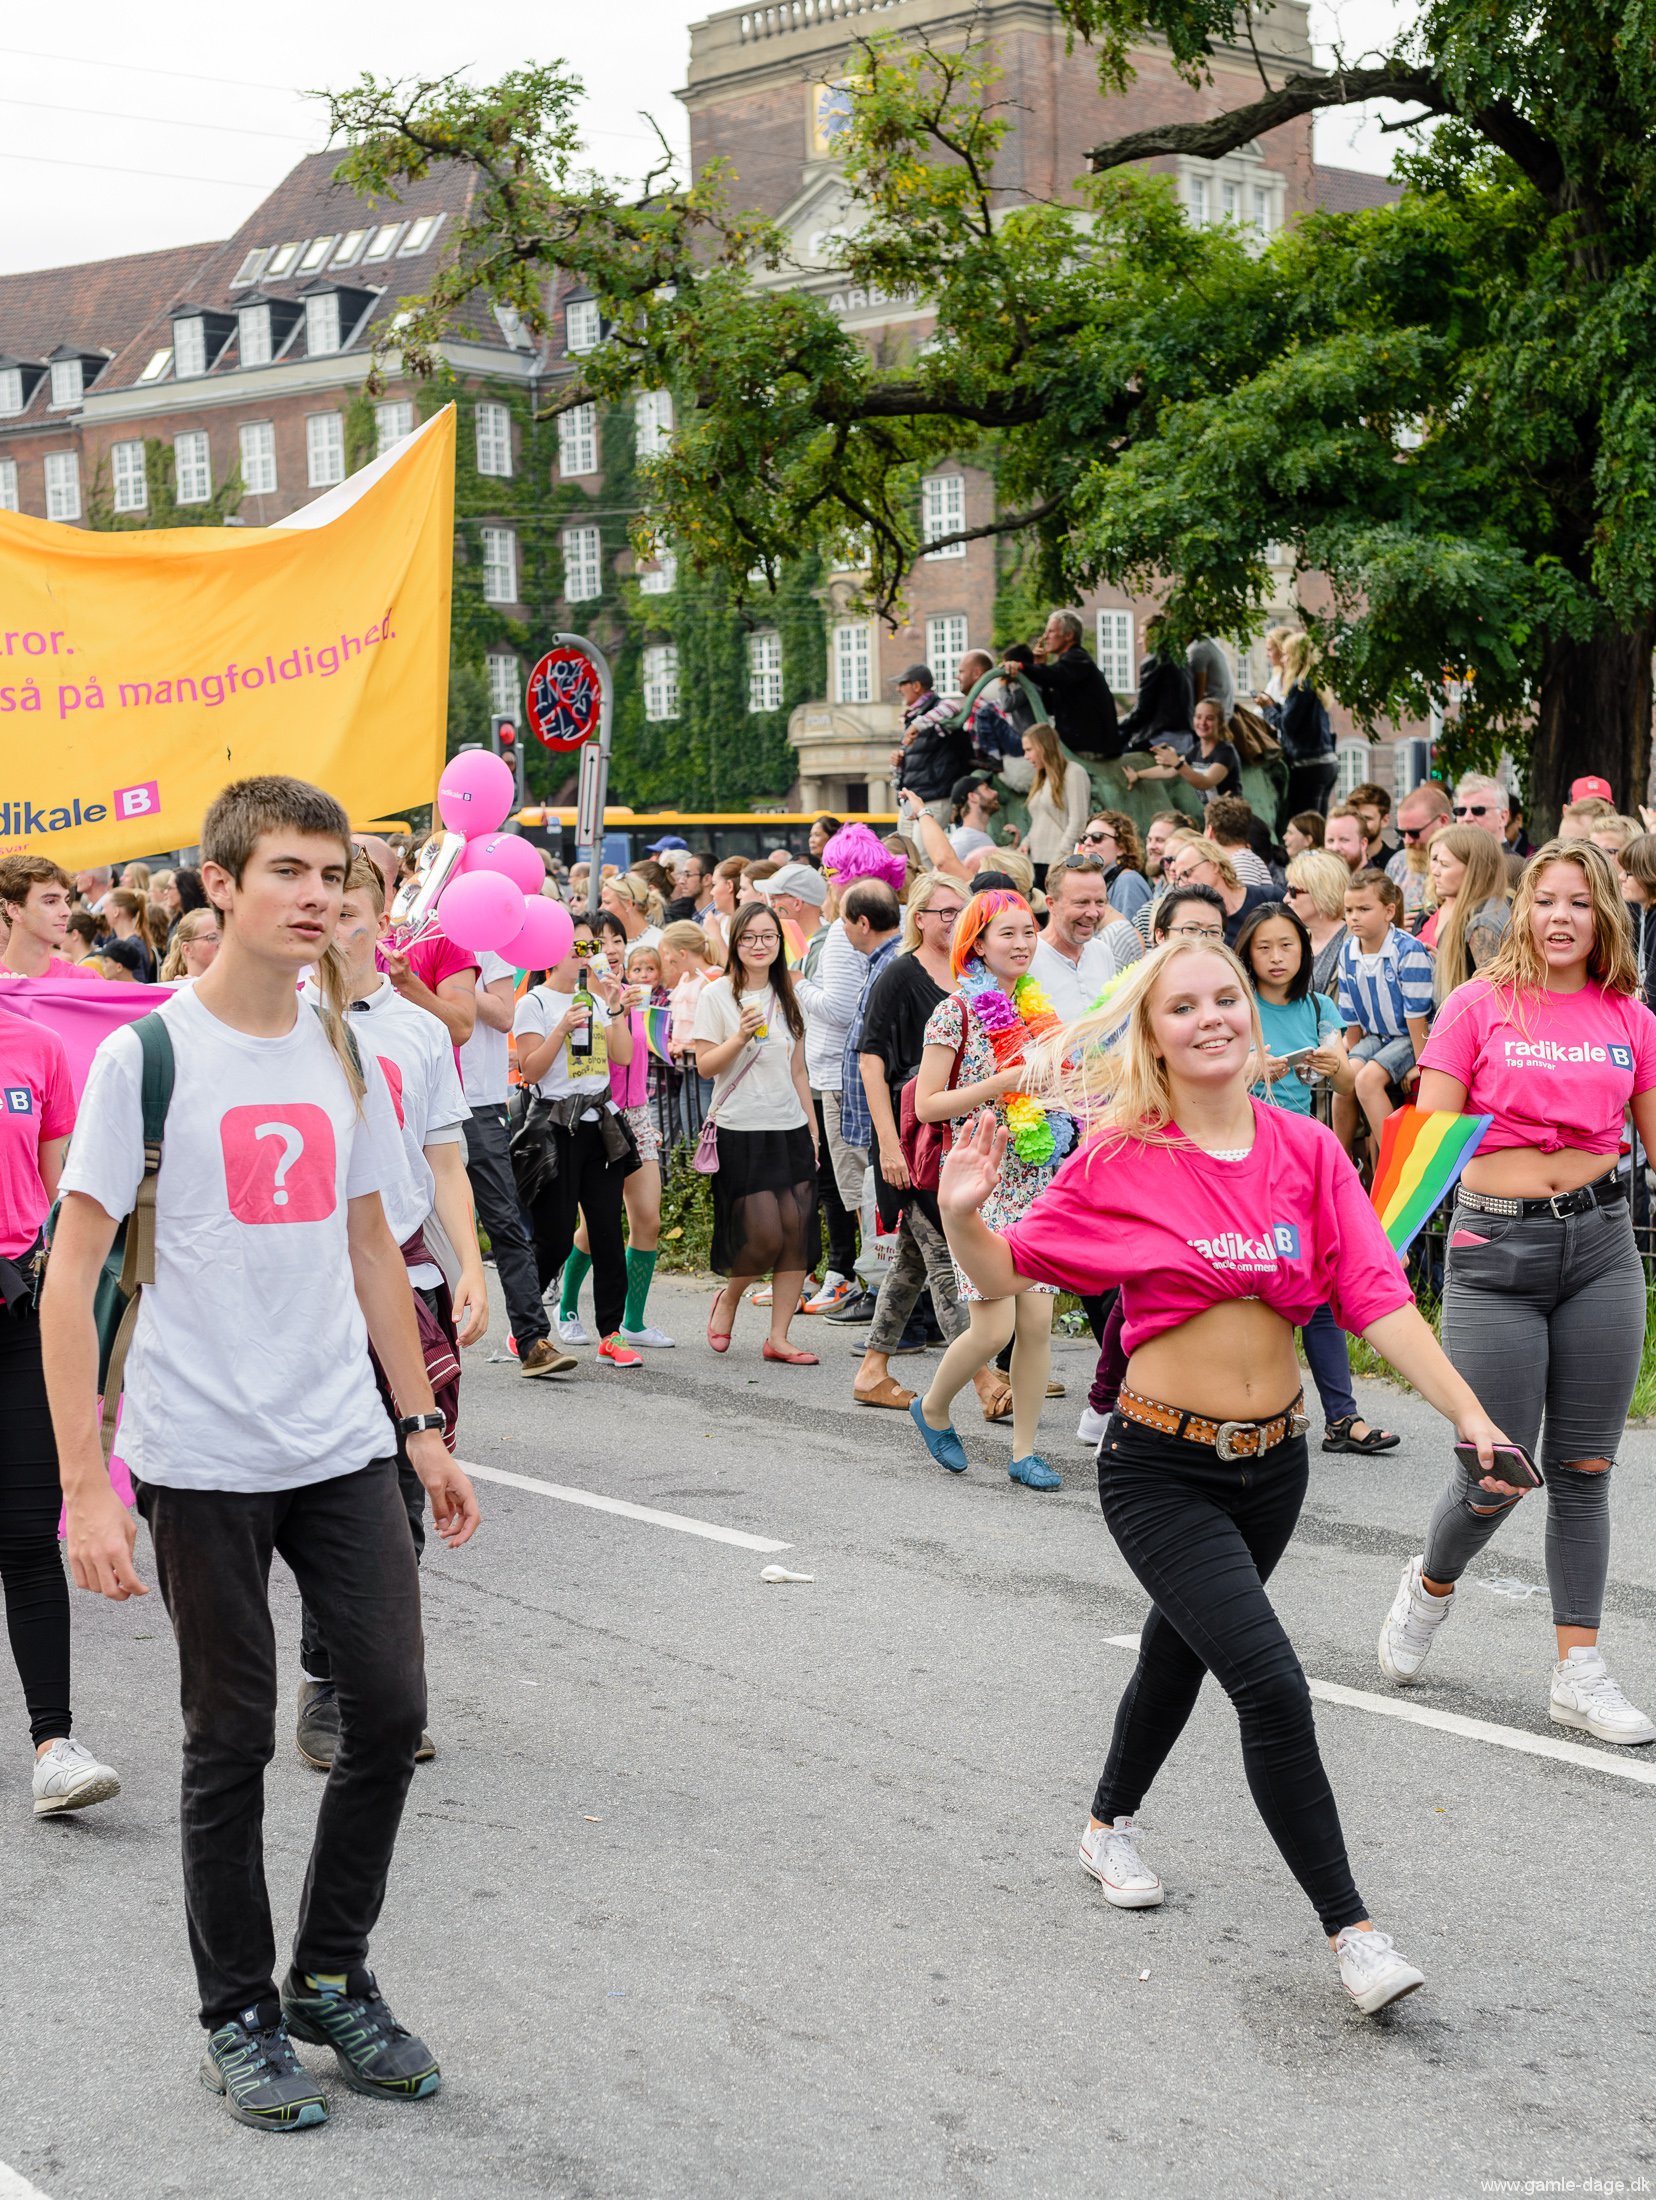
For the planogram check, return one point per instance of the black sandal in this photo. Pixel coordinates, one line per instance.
(1338, 1437)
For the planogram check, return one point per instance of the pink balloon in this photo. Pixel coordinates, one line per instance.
(547, 936)
(480, 910)
(509, 854)
(476, 793)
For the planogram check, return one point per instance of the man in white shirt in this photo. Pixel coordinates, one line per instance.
(1083, 946)
(252, 1425)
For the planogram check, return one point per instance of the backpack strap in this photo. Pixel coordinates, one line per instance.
(138, 1261)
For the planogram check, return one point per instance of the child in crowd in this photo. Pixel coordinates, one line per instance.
(1385, 996)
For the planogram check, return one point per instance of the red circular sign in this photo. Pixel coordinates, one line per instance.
(563, 699)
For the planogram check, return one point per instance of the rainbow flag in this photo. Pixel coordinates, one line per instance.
(658, 1026)
(1421, 1157)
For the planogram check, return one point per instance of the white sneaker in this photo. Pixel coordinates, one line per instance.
(1111, 1854)
(834, 1290)
(571, 1329)
(68, 1777)
(1584, 1695)
(648, 1340)
(1410, 1626)
(1371, 1970)
(1090, 1434)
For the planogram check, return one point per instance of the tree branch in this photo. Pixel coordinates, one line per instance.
(1500, 123)
(1009, 524)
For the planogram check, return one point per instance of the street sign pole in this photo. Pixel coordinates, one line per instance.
(595, 761)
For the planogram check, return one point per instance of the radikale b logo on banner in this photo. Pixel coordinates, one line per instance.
(140, 671)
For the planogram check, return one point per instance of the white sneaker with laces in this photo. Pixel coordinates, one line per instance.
(571, 1329)
(1585, 1696)
(648, 1339)
(1372, 1971)
(1111, 1854)
(1411, 1624)
(1090, 1434)
(69, 1777)
(835, 1290)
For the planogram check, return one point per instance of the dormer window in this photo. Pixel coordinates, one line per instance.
(159, 362)
(189, 347)
(315, 254)
(13, 397)
(283, 260)
(322, 323)
(349, 247)
(582, 327)
(67, 377)
(253, 325)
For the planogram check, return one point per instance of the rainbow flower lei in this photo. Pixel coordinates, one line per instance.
(1039, 1135)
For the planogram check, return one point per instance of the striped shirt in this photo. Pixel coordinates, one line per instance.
(1379, 992)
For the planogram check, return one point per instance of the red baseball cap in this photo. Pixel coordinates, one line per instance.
(1582, 789)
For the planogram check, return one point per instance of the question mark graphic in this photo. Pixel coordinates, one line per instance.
(293, 1145)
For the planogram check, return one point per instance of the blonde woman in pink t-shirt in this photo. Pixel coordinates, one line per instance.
(1226, 1223)
(1544, 1298)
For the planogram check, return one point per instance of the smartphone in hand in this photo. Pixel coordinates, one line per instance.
(1512, 1464)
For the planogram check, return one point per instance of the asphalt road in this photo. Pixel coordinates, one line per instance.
(720, 1888)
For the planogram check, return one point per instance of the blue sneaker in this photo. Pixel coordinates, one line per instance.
(376, 2054)
(251, 2062)
(1034, 1473)
(943, 1444)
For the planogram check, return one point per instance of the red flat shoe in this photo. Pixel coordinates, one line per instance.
(718, 1339)
(789, 1356)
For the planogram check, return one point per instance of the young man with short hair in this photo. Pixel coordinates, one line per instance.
(35, 897)
(1345, 835)
(252, 1426)
(1373, 806)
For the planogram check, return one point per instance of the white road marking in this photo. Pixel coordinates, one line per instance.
(1640, 1769)
(647, 1513)
(14, 2187)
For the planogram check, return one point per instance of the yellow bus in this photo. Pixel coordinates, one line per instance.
(630, 833)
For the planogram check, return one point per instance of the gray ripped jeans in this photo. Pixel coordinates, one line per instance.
(1545, 1318)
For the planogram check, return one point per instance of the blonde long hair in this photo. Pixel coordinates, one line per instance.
(1049, 761)
(191, 926)
(1105, 1067)
(920, 897)
(1485, 880)
(1517, 965)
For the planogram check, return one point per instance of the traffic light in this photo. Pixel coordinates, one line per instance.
(503, 739)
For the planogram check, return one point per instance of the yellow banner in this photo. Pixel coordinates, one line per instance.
(141, 671)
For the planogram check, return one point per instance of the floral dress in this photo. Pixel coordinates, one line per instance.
(1020, 1181)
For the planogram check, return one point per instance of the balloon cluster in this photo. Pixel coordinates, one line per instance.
(480, 885)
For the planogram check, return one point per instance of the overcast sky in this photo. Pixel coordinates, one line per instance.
(106, 150)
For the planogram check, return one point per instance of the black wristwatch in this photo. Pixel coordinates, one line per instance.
(412, 1423)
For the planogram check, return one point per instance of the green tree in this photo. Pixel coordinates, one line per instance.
(162, 508)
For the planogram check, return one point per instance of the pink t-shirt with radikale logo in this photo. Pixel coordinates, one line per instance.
(37, 1104)
(1553, 1069)
(1180, 1231)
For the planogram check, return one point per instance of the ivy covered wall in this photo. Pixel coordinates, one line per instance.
(715, 753)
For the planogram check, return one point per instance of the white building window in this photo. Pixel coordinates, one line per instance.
(158, 363)
(253, 330)
(314, 254)
(189, 348)
(945, 646)
(11, 390)
(62, 485)
(252, 267)
(66, 384)
(582, 563)
(661, 681)
(582, 328)
(420, 234)
(943, 512)
(349, 247)
(764, 655)
(1239, 189)
(1196, 199)
(494, 440)
(1115, 651)
(578, 440)
(322, 324)
(8, 485)
(258, 458)
(128, 480)
(1356, 762)
(193, 467)
(661, 578)
(500, 581)
(282, 259)
(1230, 200)
(504, 697)
(653, 415)
(1262, 209)
(391, 423)
(854, 663)
(325, 449)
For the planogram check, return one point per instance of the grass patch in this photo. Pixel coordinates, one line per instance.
(686, 1217)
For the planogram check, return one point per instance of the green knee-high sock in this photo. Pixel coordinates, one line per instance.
(576, 1269)
(640, 1270)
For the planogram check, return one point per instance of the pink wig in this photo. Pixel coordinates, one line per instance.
(855, 852)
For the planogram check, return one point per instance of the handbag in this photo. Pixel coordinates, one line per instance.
(924, 1144)
(705, 1159)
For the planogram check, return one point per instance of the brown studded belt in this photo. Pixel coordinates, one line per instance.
(1230, 1440)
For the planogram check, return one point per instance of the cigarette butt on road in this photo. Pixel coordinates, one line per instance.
(781, 1573)
(1143, 1975)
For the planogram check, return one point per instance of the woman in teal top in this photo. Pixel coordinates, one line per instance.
(1275, 950)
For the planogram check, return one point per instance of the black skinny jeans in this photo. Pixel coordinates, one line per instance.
(499, 1209)
(31, 1565)
(586, 1184)
(1203, 1539)
(347, 1543)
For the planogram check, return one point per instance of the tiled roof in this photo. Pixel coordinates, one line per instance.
(1351, 190)
(99, 306)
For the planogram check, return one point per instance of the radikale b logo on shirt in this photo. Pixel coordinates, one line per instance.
(1277, 1242)
(19, 1100)
(1621, 1056)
